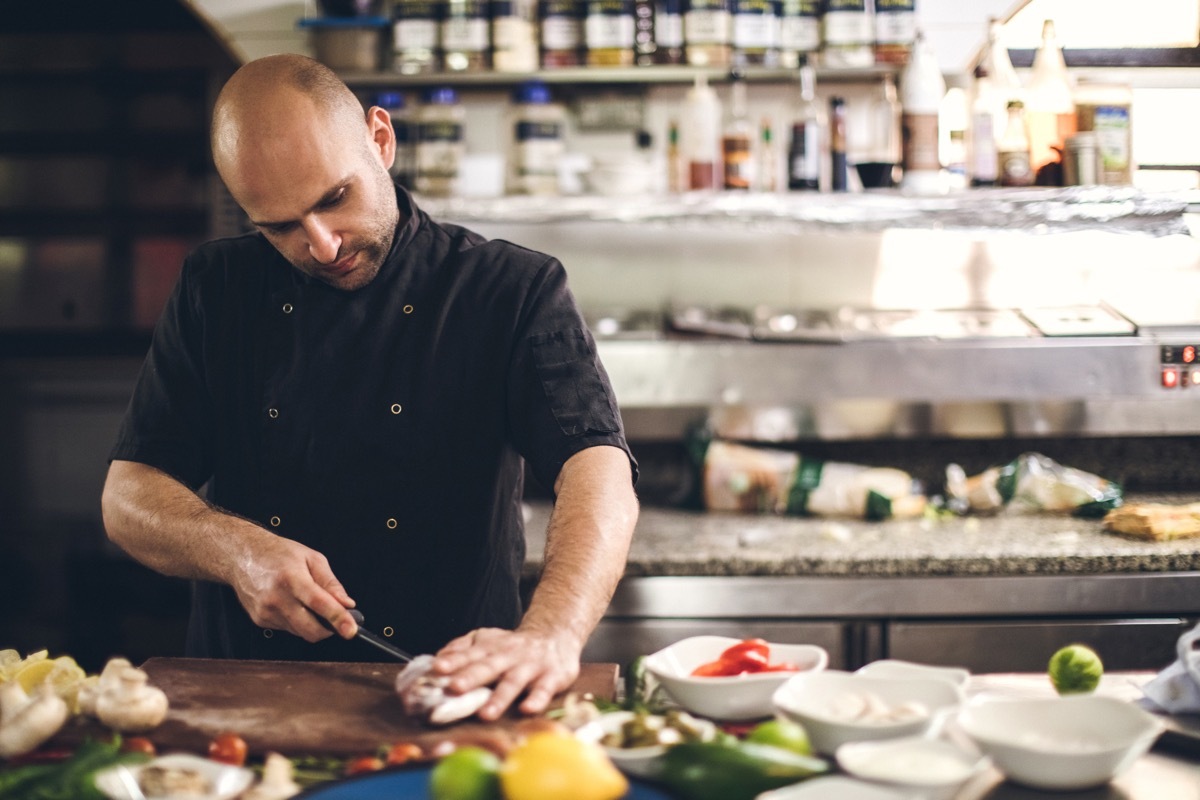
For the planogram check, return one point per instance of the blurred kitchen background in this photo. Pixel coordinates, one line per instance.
(910, 327)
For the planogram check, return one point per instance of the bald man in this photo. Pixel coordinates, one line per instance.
(359, 388)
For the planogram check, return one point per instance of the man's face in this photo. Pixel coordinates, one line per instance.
(320, 193)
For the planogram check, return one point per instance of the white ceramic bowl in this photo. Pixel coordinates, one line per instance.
(1069, 742)
(740, 697)
(893, 668)
(819, 700)
(934, 768)
(634, 760)
(834, 787)
(226, 781)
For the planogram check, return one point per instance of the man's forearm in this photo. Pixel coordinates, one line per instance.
(168, 527)
(586, 544)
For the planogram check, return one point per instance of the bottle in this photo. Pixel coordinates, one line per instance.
(877, 169)
(1049, 109)
(895, 30)
(668, 32)
(402, 166)
(983, 168)
(1013, 149)
(415, 37)
(465, 37)
(514, 35)
(562, 33)
(804, 150)
(1108, 110)
(537, 141)
(700, 136)
(799, 31)
(921, 91)
(439, 148)
(706, 32)
(608, 33)
(755, 35)
(676, 173)
(840, 180)
(768, 159)
(848, 31)
(737, 140)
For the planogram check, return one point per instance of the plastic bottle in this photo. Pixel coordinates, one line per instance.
(537, 141)
(465, 36)
(706, 33)
(840, 180)
(608, 33)
(848, 34)
(700, 135)
(804, 150)
(983, 168)
(895, 30)
(561, 32)
(799, 31)
(1049, 109)
(737, 141)
(755, 35)
(402, 166)
(921, 91)
(1013, 149)
(439, 147)
(514, 35)
(1107, 110)
(415, 36)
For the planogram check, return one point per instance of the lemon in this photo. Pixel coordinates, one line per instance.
(557, 766)
(781, 733)
(1075, 669)
(469, 773)
(31, 676)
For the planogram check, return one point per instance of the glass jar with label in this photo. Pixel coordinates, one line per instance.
(537, 141)
(755, 35)
(514, 35)
(668, 32)
(799, 31)
(608, 33)
(895, 30)
(415, 36)
(706, 33)
(848, 33)
(465, 36)
(562, 33)
(439, 146)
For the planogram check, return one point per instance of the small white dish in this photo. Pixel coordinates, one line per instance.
(833, 787)
(737, 697)
(226, 781)
(819, 701)
(634, 760)
(1072, 742)
(894, 668)
(935, 769)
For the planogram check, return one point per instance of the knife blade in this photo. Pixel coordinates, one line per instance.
(367, 636)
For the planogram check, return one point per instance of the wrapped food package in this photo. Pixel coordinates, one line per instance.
(762, 480)
(1032, 482)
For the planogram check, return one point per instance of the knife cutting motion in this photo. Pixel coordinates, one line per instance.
(367, 636)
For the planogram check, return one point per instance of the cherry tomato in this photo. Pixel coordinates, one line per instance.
(364, 764)
(757, 647)
(745, 661)
(139, 744)
(228, 748)
(403, 752)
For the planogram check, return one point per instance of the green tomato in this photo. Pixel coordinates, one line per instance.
(1075, 669)
(782, 733)
(469, 773)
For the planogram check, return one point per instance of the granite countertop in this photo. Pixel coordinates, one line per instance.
(680, 542)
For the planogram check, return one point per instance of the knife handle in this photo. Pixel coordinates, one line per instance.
(355, 614)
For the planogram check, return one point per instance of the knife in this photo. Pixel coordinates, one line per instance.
(367, 636)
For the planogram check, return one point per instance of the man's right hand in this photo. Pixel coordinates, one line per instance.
(279, 580)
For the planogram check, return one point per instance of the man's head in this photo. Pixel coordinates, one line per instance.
(309, 167)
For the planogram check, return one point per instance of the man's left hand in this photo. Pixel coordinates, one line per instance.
(515, 662)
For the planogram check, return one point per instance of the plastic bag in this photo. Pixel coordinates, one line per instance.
(761, 480)
(1032, 482)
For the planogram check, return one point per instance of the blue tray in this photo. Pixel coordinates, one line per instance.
(413, 784)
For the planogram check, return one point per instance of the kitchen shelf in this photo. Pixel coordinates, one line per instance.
(603, 76)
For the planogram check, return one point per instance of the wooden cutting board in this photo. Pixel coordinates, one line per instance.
(304, 708)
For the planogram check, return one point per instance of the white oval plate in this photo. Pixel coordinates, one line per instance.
(227, 781)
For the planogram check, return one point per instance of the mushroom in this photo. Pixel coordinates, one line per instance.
(424, 694)
(26, 722)
(132, 705)
(91, 689)
(277, 782)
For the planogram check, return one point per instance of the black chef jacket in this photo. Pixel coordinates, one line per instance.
(384, 427)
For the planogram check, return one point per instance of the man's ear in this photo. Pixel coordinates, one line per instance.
(383, 135)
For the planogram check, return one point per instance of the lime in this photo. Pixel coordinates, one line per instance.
(1075, 669)
(782, 733)
(469, 773)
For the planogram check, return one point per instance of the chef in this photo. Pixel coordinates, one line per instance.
(337, 410)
